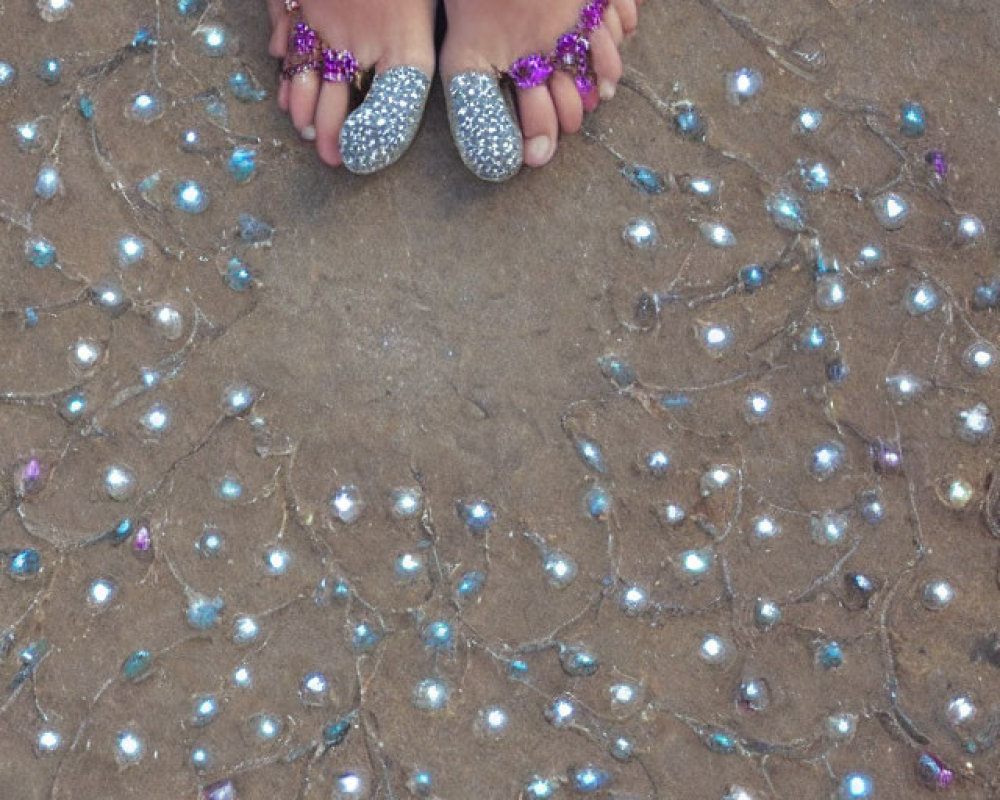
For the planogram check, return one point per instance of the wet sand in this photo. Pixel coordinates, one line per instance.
(420, 329)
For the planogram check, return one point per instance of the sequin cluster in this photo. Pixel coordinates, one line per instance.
(570, 54)
(308, 53)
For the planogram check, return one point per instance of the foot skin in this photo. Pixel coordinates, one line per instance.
(487, 36)
(395, 38)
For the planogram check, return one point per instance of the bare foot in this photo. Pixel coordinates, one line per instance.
(395, 38)
(487, 36)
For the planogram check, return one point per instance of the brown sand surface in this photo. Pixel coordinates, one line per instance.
(420, 329)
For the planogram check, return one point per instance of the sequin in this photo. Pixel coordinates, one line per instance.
(201, 759)
(933, 773)
(955, 493)
(478, 515)
(937, 595)
(364, 636)
(980, 358)
(960, 710)
(829, 655)
(871, 506)
(244, 88)
(229, 488)
(119, 482)
(757, 407)
(28, 135)
(735, 792)
(470, 584)
(203, 612)
(912, 120)
(265, 727)
(156, 419)
(8, 74)
(892, 210)
(254, 230)
(809, 120)
(856, 786)
(191, 8)
(717, 234)
(704, 188)
(190, 197)
(716, 479)
(828, 528)
(827, 459)
(714, 650)
(101, 592)
(210, 543)
(223, 789)
(753, 694)
(379, 131)
(242, 677)
(969, 230)
(767, 614)
(48, 741)
(237, 276)
(576, 661)
(904, 387)
(641, 233)
(974, 425)
(921, 298)
(831, 293)
(431, 694)
(492, 722)
(714, 338)
(410, 567)
(420, 783)
(841, 725)
(190, 141)
(598, 503)
(205, 708)
(276, 561)
(786, 211)
(689, 122)
(816, 177)
(645, 179)
(561, 711)
(623, 694)
(349, 786)
(813, 337)
(314, 690)
(47, 184)
(129, 748)
(483, 127)
(40, 252)
(673, 514)
(216, 41)
(145, 107)
(238, 398)
(743, 84)
(406, 502)
(589, 779)
(539, 788)
(753, 277)
(137, 666)
(560, 570)
(870, 257)
(633, 601)
(242, 164)
(23, 564)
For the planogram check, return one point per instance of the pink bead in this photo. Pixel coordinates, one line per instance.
(143, 540)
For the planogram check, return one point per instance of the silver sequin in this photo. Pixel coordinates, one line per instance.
(483, 127)
(379, 131)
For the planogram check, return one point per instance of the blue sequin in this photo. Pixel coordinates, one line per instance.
(47, 183)
(598, 503)
(30, 317)
(29, 135)
(438, 636)
(24, 564)
(86, 107)
(615, 369)
(245, 89)
(40, 252)
(145, 107)
(591, 455)
(74, 405)
(689, 123)
(190, 197)
(143, 39)
(753, 277)
(215, 41)
(238, 276)
(786, 211)
(986, 295)
(477, 515)
(8, 74)
(50, 71)
(137, 665)
(857, 786)
(829, 655)
(203, 612)
(912, 120)
(254, 231)
(589, 779)
(518, 668)
(578, 662)
(122, 531)
(334, 733)
(191, 8)
(720, 742)
(242, 164)
(816, 177)
(364, 637)
(813, 338)
(470, 584)
(643, 178)
(230, 488)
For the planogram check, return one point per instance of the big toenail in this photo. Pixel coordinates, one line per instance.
(607, 90)
(539, 149)
(308, 133)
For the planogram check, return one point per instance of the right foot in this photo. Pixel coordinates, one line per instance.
(485, 37)
(395, 38)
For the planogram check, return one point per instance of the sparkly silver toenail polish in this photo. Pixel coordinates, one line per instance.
(379, 131)
(484, 130)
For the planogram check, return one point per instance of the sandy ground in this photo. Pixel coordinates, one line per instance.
(418, 328)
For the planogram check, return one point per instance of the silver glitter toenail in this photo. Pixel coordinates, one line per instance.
(485, 132)
(379, 131)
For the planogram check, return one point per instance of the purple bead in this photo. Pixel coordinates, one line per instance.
(571, 49)
(339, 66)
(531, 71)
(585, 83)
(592, 15)
(933, 772)
(143, 540)
(31, 478)
(220, 790)
(303, 39)
(938, 162)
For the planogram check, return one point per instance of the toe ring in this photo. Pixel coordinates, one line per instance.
(338, 66)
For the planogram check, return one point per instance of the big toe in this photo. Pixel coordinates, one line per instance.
(483, 126)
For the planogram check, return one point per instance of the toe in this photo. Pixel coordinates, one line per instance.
(284, 93)
(539, 125)
(334, 100)
(613, 25)
(607, 62)
(278, 45)
(569, 106)
(302, 99)
(628, 13)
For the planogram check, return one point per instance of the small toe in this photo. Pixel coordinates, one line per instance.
(302, 99)
(331, 110)
(277, 47)
(539, 125)
(607, 62)
(628, 13)
(613, 25)
(569, 105)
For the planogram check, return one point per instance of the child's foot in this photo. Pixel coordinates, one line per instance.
(562, 59)
(324, 43)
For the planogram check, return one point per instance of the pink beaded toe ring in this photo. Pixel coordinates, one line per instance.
(571, 54)
(308, 53)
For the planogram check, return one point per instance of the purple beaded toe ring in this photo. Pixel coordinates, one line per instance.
(308, 53)
(571, 54)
